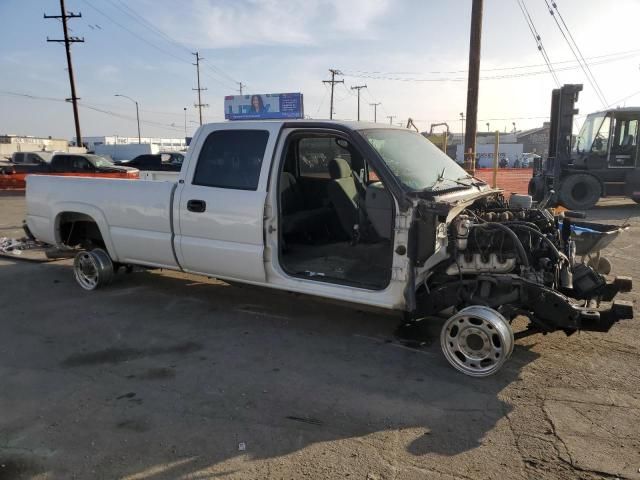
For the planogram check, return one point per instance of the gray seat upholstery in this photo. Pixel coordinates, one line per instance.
(295, 219)
(343, 194)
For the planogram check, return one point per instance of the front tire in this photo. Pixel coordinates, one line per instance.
(477, 341)
(580, 191)
(93, 269)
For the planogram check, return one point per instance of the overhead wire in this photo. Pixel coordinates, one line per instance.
(505, 76)
(124, 8)
(576, 53)
(153, 45)
(90, 107)
(538, 40)
(622, 55)
(166, 37)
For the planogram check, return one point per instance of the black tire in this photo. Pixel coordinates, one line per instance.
(580, 191)
(536, 188)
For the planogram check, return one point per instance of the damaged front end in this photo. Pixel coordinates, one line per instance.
(494, 260)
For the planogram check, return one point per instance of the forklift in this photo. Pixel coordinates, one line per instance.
(601, 162)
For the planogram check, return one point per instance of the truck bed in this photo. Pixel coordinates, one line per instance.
(134, 217)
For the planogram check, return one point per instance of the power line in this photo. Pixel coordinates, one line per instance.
(68, 40)
(622, 55)
(576, 53)
(578, 49)
(538, 40)
(324, 97)
(490, 77)
(88, 106)
(153, 45)
(149, 26)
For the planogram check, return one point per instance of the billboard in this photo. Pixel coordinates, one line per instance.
(263, 106)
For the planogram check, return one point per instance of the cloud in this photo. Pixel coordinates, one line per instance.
(214, 24)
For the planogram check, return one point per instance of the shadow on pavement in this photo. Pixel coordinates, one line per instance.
(181, 371)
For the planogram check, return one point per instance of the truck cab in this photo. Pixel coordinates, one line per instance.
(601, 162)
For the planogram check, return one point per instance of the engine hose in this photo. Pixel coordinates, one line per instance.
(559, 255)
(521, 222)
(516, 241)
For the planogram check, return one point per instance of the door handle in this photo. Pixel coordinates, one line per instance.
(197, 206)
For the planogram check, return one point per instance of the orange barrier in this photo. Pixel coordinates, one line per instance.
(511, 180)
(10, 181)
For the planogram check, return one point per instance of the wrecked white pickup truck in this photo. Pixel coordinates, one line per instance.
(363, 213)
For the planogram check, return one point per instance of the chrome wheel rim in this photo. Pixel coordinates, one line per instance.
(477, 341)
(86, 270)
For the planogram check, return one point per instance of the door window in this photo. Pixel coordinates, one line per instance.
(231, 159)
(624, 145)
(81, 164)
(61, 164)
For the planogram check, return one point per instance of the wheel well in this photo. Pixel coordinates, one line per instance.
(79, 229)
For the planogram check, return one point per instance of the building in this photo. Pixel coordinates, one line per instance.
(10, 143)
(535, 140)
(163, 144)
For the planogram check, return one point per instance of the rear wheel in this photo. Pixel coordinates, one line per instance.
(477, 341)
(580, 191)
(93, 269)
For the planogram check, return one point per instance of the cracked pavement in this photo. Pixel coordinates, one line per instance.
(164, 375)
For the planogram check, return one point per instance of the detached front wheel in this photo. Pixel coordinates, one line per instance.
(93, 269)
(477, 341)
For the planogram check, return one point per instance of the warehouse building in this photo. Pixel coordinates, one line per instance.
(163, 144)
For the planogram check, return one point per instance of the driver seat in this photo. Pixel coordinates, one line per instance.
(343, 194)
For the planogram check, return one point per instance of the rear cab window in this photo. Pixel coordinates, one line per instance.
(315, 153)
(231, 159)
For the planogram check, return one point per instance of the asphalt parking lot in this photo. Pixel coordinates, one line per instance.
(164, 375)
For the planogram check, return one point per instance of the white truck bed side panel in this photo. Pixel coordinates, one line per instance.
(133, 216)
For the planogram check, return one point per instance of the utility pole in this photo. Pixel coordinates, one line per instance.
(473, 84)
(67, 45)
(199, 105)
(375, 111)
(333, 81)
(240, 84)
(391, 117)
(358, 88)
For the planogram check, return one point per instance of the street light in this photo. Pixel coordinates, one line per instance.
(462, 126)
(514, 126)
(487, 126)
(137, 113)
(185, 122)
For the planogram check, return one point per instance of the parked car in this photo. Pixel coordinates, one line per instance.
(364, 213)
(161, 162)
(74, 164)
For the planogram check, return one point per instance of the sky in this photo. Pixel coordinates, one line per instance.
(411, 54)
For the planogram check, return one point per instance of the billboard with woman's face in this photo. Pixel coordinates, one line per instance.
(263, 106)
